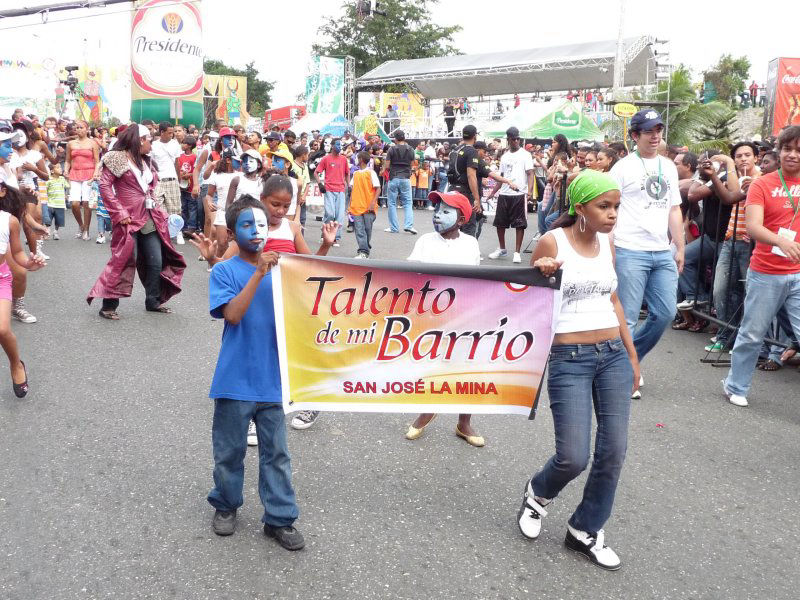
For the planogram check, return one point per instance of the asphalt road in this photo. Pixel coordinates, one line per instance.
(106, 466)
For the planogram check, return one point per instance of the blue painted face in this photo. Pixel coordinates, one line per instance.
(278, 163)
(445, 218)
(227, 141)
(5, 149)
(337, 145)
(251, 229)
(236, 162)
(249, 164)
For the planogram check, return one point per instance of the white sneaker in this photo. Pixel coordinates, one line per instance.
(252, 438)
(529, 517)
(304, 419)
(79, 235)
(637, 395)
(641, 381)
(430, 208)
(735, 399)
(360, 255)
(390, 230)
(179, 239)
(101, 239)
(85, 236)
(19, 313)
(593, 548)
(55, 235)
(685, 305)
(498, 253)
(517, 258)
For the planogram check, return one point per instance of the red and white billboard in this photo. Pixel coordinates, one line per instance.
(783, 95)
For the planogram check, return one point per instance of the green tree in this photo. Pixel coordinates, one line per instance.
(258, 90)
(405, 31)
(728, 76)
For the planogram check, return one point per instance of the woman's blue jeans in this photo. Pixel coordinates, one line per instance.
(583, 378)
(229, 440)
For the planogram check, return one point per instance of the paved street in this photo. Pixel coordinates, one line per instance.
(107, 463)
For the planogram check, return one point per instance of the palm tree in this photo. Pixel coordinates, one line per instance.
(690, 122)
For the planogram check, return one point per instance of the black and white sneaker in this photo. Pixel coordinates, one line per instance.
(529, 517)
(593, 548)
(252, 438)
(304, 419)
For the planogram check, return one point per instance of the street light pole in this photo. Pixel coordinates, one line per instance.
(619, 59)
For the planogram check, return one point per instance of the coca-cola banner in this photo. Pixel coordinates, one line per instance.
(783, 94)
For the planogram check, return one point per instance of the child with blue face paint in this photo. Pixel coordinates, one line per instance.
(448, 245)
(247, 384)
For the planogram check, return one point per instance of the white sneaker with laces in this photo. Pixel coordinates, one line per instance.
(19, 313)
(529, 516)
(390, 230)
(101, 239)
(592, 547)
(498, 253)
(252, 438)
(735, 399)
(79, 235)
(517, 258)
(304, 419)
(179, 239)
(55, 235)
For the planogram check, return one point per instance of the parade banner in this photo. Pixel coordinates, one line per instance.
(228, 95)
(782, 95)
(325, 85)
(380, 336)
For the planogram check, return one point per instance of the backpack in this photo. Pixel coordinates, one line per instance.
(452, 168)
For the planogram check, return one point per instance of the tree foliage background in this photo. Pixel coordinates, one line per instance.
(406, 31)
(258, 90)
(729, 76)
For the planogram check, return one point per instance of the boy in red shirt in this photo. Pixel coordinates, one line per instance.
(336, 170)
(773, 279)
(184, 167)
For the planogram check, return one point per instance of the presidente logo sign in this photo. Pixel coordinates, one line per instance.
(567, 117)
(166, 48)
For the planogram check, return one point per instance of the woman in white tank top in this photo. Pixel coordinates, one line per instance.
(592, 368)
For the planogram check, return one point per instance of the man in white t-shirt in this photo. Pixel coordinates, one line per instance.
(650, 209)
(164, 152)
(516, 164)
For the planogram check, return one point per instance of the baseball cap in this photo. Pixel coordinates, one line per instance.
(455, 200)
(213, 135)
(274, 135)
(226, 131)
(253, 154)
(469, 131)
(512, 132)
(7, 131)
(645, 120)
(528, 147)
(399, 135)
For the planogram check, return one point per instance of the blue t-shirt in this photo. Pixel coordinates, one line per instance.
(247, 367)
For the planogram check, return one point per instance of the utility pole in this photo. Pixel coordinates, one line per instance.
(619, 59)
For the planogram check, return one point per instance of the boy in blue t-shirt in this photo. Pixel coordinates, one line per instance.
(247, 384)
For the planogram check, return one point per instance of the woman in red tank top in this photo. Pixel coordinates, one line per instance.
(82, 168)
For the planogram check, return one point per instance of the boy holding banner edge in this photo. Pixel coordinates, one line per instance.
(247, 384)
(448, 245)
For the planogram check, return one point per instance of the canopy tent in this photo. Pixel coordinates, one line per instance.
(522, 117)
(588, 65)
(327, 123)
(567, 119)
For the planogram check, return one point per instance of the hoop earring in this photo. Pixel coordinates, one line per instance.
(582, 224)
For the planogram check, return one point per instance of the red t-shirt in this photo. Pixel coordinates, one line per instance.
(336, 169)
(186, 164)
(767, 191)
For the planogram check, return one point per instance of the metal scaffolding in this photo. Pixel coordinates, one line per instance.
(350, 97)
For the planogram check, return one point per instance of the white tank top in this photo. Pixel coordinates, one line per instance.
(283, 232)
(586, 287)
(249, 186)
(4, 232)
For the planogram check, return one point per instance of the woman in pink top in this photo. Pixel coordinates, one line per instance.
(82, 168)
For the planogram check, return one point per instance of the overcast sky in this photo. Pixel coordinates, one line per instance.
(278, 35)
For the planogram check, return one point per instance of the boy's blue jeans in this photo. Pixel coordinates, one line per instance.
(586, 378)
(334, 210)
(229, 440)
(362, 225)
(103, 225)
(652, 277)
(188, 209)
(765, 295)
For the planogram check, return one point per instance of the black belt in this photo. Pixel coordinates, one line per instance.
(168, 178)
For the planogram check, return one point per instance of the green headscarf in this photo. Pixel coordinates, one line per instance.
(589, 185)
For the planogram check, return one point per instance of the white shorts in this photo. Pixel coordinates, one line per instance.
(219, 217)
(80, 191)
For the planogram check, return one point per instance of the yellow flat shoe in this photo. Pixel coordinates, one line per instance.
(413, 433)
(472, 440)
